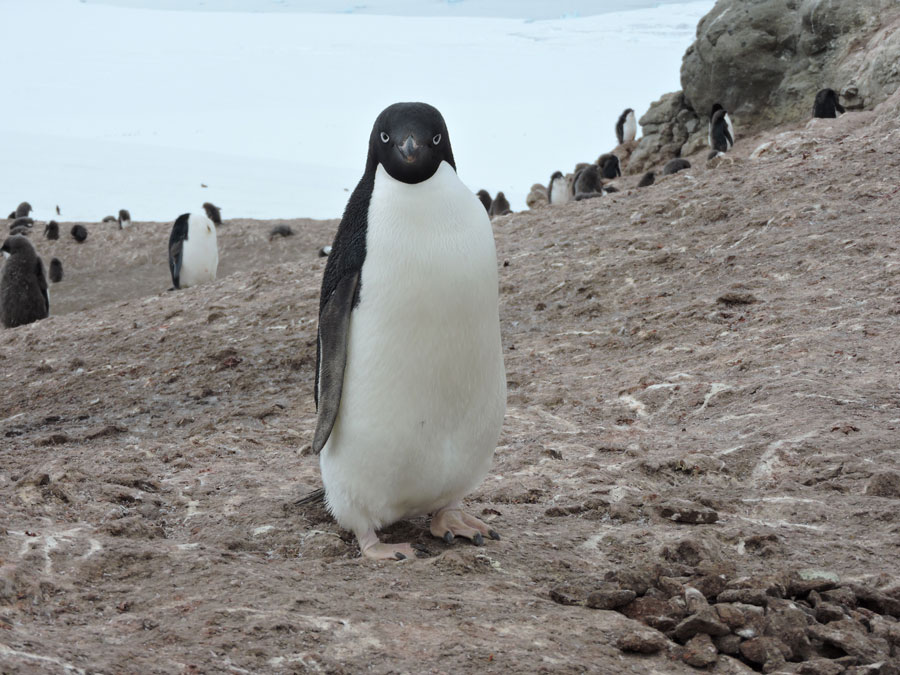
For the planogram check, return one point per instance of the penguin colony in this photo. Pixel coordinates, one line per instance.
(408, 305)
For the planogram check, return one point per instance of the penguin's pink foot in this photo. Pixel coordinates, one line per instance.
(372, 548)
(451, 522)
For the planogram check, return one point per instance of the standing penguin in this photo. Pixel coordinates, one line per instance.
(56, 270)
(626, 127)
(558, 189)
(485, 198)
(410, 382)
(499, 205)
(24, 297)
(51, 231)
(721, 131)
(124, 219)
(193, 249)
(827, 104)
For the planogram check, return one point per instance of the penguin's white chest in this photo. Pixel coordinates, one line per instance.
(559, 191)
(199, 252)
(424, 387)
(629, 129)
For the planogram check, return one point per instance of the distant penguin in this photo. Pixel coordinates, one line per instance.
(499, 205)
(609, 166)
(79, 233)
(24, 230)
(626, 127)
(57, 210)
(110, 219)
(827, 104)
(193, 248)
(324, 252)
(609, 189)
(558, 189)
(51, 231)
(280, 231)
(485, 198)
(23, 209)
(721, 132)
(56, 270)
(24, 297)
(647, 179)
(411, 387)
(587, 183)
(21, 222)
(124, 219)
(213, 212)
(675, 165)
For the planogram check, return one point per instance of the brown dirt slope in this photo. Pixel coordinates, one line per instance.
(724, 337)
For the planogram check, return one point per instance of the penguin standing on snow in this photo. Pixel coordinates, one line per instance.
(24, 297)
(558, 189)
(193, 250)
(721, 131)
(827, 104)
(410, 382)
(626, 127)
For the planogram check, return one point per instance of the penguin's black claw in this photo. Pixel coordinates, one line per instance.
(399, 556)
(493, 535)
(448, 537)
(478, 540)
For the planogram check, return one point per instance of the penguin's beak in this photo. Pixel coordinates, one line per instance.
(409, 150)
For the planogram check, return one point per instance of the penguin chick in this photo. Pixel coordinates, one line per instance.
(499, 205)
(79, 233)
(24, 297)
(51, 231)
(56, 270)
(485, 198)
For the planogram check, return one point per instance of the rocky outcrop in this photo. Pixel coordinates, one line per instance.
(764, 60)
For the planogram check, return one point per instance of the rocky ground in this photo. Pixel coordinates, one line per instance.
(698, 467)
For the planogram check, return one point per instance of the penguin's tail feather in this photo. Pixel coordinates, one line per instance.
(313, 497)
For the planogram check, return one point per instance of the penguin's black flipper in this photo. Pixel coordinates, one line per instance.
(176, 242)
(42, 283)
(334, 330)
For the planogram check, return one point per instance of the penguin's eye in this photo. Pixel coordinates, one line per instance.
(436, 139)
(384, 137)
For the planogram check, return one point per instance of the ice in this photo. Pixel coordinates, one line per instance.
(115, 106)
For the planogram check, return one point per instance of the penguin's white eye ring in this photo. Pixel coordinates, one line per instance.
(384, 137)
(436, 139)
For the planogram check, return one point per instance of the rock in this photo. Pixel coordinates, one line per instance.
(748, 596)
(609, 598)
(642, 641)
(875, 600)
(842, 596)
(704, 621)
(884, 484)
(881, 668)
(829, 611)
(820, 667)
(728, 644)
(787, 622)
(637, 579)
(769, 652)
(730, 615)
(563, 596)
(670, 586)
(800, 583)
(700, 651)
(694, 600)
(851, 637)
(710, 585)
(660, 614)
(684, 511)
(765, 59)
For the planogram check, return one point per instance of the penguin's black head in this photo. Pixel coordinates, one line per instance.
(716, 108)
(124, 215)
(212, 212)
(17, 244)
(410, 141)
(556, 174)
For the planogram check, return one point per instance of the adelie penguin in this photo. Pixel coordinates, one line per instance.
(51, 231)
(558, 189)
(193, 249)
(24, 297)
(609, 166)
(410, 382)
(79, 233)
(675, 165)
(647, 179)
(485, 198)
(22, 211)
(499, 206)
(827, 104)
(124, 219)
(587, 183)
(280, 231)
(721, 131)
(626, 127)
(56, 270)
